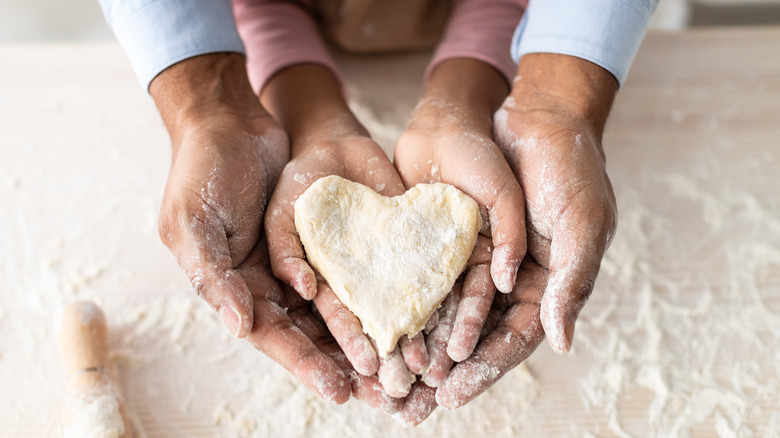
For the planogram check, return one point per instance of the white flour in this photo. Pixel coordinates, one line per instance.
(687, 318)
(97, 418)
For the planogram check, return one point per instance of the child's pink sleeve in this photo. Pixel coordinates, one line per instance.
(481, 30)
(278, 34)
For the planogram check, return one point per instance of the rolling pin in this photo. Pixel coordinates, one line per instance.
(94, 407)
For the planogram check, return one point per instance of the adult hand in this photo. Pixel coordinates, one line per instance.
(450, 139)
(227, 155)
(550, 131)
(327, 140)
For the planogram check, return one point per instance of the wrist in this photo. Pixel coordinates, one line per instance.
(467, 88)
(307, 101)
(564, 85)
(198, 90)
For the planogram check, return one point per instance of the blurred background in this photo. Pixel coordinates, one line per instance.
(82, 20)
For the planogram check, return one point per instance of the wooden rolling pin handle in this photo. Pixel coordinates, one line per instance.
(84, 341)
(84, 338)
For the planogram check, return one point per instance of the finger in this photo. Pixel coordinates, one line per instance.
(432, 322)
(284, 245)
(201, 249)
(277, 336)
(579, 241)
(476, 299)
(414, 353)
(505, 348)
(368, 389)
(440, 361)
(347, 331)
(393, 374)
(511, 342)
(507, 228)
(364, 388)
(497, 190)
(375, 170)
(418, 405)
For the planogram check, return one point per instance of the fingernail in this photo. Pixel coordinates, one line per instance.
(458, 352)
(400, 419)
(560, 340)
(431, 381)
(303, 287)
(505, 277)
(367, 360)
(511, 276)
(232, 319)
(569, 333)
(444, 400)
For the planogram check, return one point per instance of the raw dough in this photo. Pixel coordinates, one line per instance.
(391, 261)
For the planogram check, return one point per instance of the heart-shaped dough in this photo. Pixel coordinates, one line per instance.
(391, 261)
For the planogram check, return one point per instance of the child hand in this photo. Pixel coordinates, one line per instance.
(450, 139)
(326, 139)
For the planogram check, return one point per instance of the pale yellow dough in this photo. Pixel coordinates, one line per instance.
(391, 261)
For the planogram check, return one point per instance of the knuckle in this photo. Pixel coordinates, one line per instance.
(412, 138)
(305, 357)
(166, 227)
(470, 325)
(279, 325)
(344, 316)
(198, 282)
(584, 291)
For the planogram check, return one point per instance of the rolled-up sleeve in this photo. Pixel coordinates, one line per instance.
(605, 32)
(156, 34)
(279, 34)
(481, 30)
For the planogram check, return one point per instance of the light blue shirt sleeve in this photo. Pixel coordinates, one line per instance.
(156, 34)
(605, 32)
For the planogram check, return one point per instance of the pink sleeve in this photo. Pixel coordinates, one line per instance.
(481, 30)
(276, 35)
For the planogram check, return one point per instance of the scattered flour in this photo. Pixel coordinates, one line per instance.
(687, 318)
(96, 418)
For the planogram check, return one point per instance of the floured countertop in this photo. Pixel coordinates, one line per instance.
(680, 337)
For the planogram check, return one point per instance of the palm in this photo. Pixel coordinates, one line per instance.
(357, 158)
(571, 218)
(213, 206)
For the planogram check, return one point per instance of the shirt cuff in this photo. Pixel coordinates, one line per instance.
(156, 34)
(605, 32)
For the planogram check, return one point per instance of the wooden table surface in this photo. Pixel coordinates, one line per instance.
(680, 338)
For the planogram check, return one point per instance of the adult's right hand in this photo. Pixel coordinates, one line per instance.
(228, 153)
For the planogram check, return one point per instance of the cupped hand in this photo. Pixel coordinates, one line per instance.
(450, 139)
(326, 139)
(550, 131)
(227, 155)
(287, 331)
(212, 209)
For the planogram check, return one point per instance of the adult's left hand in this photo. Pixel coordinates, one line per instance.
(549, 130)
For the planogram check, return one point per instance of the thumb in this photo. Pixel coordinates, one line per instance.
(575, 258)
(201, 250)
(507, 228)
